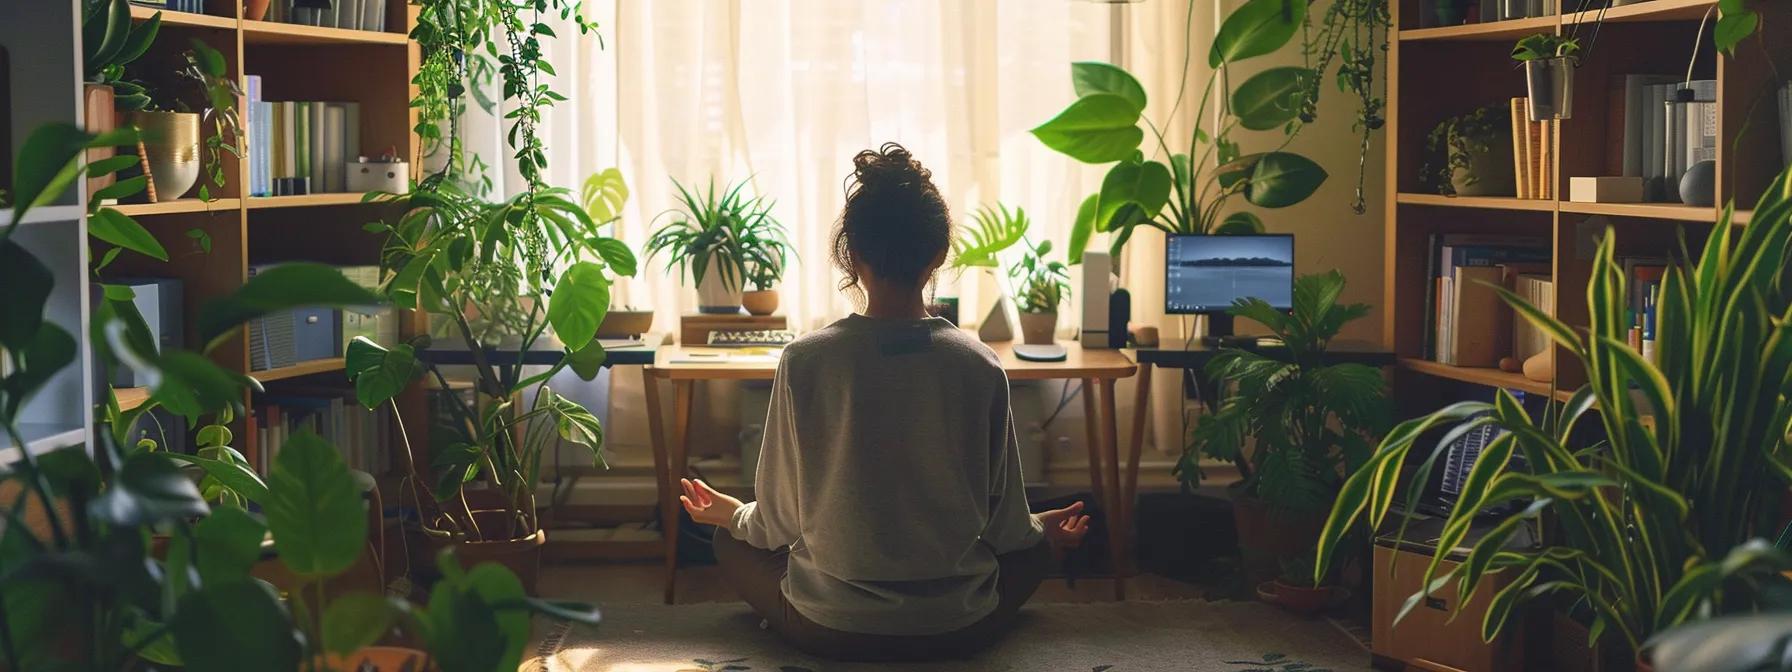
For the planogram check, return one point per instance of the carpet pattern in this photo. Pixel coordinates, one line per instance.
(1187, 635)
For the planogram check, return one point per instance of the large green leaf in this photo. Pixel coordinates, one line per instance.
(1257, 28)
(239, 478)
(119, 229)
(357, 620)
(148, 489)
(229, 544)
(282, 287)
(1281, 179)
(46, 166)
(616, 253)
(1095, 129)
(1239, 223)
(191, 385)
(579, 303)
(28, 283)
(1090, 78)
(1145, 185)
(233, 626)
(1732, 27)
(603, 195)
(314, 508)
(46, 355)
(379, 374)
(468, 631)
(587, 361)
(1270, 98)
(1084, 228)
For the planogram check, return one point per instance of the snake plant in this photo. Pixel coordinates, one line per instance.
(1662, 521)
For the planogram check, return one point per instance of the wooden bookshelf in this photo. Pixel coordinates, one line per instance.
(295, 62)
(131, 397)
(1451, 70)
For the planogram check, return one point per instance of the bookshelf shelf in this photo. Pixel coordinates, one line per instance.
(1484, 202)
(268, 32)
(1652, 10)
(1487, 31)
(131, 397)
(1475, 375)
(180, 206)
(1673, 211)
(53, 213)
(41, 438)
(305, 201)
(300, 369)
(189, 19)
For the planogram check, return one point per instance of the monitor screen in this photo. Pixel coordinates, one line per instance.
(1205, 274)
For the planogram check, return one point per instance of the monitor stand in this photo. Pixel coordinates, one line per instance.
(1219, 333)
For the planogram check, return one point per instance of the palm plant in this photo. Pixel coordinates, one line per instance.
(729, 232)
(994, 229)
(1040, 286)
(1660, 522)
(1311, 421)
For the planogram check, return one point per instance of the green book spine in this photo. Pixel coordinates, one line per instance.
(302, 141)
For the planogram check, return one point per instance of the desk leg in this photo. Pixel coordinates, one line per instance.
(1119, 526)
(1092, 440)
(1129, 489)
(668, 487)
(676, 463)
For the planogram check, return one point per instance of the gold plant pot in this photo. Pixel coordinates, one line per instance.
(171, 145)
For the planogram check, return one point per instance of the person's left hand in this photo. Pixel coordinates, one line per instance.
(706, 505)
(1066, 527)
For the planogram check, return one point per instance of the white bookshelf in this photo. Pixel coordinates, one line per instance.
(43, 41)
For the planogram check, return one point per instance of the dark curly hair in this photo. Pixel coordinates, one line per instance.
(895, 222)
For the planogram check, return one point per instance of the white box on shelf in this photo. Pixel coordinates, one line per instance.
(1605, 189)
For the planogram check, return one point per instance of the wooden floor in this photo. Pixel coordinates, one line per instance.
(642, 583)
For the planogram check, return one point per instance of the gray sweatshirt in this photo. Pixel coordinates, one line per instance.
(890, 469)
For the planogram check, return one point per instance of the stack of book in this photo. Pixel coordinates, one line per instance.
(350, 14)
(1663, 138)
(363, 437)
(1468, 323)
(314, 140)
(189, 6)
(1533, 152)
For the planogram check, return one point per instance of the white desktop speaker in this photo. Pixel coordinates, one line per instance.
(1098, 287)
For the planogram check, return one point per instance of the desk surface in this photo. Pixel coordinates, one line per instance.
(677, 362)
(1197, 354)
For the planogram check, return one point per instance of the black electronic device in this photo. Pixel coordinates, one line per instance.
(1206, 274)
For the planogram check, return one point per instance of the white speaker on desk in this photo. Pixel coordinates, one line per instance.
(1098, 288)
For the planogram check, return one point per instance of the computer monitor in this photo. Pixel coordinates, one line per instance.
(1204, 274)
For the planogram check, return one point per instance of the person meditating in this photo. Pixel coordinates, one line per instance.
(891, 521)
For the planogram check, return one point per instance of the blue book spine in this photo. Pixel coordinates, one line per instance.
(252, 119)
(267, 146)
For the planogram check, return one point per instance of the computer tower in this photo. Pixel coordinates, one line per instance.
(158, 300)
(1098, 284)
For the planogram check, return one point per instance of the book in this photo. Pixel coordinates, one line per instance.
(1527, 339)
(331, 142)
(373, 15)
(251, 121)
(1477, 334)
(1653, 142)
(316, 159)
(1448, 252)
(301, 139)
(348, 14)
(1521, 148)
(351, 137)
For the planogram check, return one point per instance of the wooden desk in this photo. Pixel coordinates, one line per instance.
(1098, 369)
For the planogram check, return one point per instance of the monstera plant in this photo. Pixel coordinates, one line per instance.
(1182, 185)
(1665, 518)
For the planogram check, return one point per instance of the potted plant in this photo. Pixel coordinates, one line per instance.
(1040, 286)
(603, 196)
(1311, 422)
(1661, 521)
(717, 235)
(1153, 184)
(993, 229)
(762, 277)
(1296, 590)
(1474, 151)
(172, 136)
(111, 41)
(1549, 62)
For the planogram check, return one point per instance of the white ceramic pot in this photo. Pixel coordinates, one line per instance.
(1038, 328)
(715, 295)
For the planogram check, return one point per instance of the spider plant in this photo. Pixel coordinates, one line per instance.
(727, 232)
(1661, 521)
(1312, 422)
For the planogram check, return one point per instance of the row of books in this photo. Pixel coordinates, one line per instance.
(300, 139)
(350, 14)
(1664, 137)
(1468, 323)
(300, 335)
(363, 437)
(1533, 151)
(1643, 277)
(189, 6)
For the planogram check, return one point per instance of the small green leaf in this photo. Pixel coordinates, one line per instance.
(1095, 129)
(190, 384)
(314, 508)
(119, 229)
(379, 374)
(587, 361)
(51, 350)
(119, 189)
(229, 544)
(617, 255)
(1257, 28)
(1145, 185)
(1090, 78)
(579, 303)
(1271, 98)
(148, 489)
(239, 478)
(1732, 28)
(1239, 224)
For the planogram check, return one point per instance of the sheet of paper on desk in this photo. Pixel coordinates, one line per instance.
(731, 356)
(613, 343)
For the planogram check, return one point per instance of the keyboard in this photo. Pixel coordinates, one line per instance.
(751, 338)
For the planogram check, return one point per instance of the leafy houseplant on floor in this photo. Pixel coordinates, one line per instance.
(1312, 423)
(1662, 521)
(1471, 154)
(1187, 190)
(1040, 286)
(718, 235)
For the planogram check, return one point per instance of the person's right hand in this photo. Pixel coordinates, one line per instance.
(1066, 527)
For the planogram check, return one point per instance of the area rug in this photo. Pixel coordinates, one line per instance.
(1186, 635)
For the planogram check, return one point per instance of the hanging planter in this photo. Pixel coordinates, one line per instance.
(1549, 87)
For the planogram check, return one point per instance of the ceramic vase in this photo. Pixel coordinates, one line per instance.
(1038, 328)
(716, 295)
(1549, 87)
(171, 143)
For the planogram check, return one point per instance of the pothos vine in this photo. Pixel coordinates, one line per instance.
(1355, 32)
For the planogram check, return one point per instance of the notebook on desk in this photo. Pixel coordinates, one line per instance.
(729, 356)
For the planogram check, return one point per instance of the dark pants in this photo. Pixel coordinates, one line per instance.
(758, 576)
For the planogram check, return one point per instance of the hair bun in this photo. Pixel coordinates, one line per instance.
(890, 166)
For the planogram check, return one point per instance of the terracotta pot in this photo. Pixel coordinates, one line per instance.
(254, 10)
(383, 659)
(760, 302)
(171, 140)
(521, 555)
(1267, 536)
(101, 115)
(1300, 600)
(715, 294)
(1038, 328)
